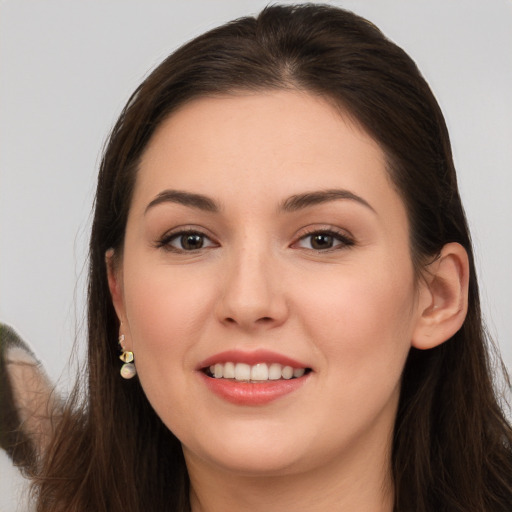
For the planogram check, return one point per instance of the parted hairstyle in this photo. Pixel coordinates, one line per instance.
(451, 448)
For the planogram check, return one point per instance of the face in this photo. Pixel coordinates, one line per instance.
(266, 285)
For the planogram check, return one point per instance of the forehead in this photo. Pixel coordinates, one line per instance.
(267, 145)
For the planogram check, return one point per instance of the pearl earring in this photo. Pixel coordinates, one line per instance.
(128, 370)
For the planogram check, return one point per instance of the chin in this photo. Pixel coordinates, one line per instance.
(252, 454)
(255, 462)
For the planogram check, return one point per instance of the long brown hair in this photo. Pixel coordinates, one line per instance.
(452, 443)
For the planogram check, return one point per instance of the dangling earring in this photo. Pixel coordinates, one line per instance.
(128, 370)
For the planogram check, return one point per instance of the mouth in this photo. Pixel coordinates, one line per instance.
(253, 378)
(255, 373)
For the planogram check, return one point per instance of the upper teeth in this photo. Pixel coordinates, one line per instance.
(260, 371)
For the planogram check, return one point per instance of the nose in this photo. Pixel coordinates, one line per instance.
(252, 295)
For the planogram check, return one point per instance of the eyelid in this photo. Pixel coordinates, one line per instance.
(344, 238)
(347, 239)
(164, 241)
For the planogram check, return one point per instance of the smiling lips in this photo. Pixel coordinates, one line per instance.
(254, 373)
(255, 378)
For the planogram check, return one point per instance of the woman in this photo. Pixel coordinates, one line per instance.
(279, 243)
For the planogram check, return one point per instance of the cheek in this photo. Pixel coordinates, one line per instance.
(362, 322)
(361, 329)
(166, 312)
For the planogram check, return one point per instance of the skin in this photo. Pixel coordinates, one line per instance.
(350, 313)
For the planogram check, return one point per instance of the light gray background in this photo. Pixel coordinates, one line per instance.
(67, 68)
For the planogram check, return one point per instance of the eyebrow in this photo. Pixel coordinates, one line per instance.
(291, 204)
(301, 201)
(198, 201)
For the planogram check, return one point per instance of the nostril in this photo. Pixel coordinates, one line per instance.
(247, 322)
(262, 321)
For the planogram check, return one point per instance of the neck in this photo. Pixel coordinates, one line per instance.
(354, 484)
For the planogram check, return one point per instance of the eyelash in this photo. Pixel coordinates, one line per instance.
(165, 242)
(345, 240)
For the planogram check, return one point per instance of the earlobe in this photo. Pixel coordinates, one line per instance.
(443, 298)
(115, 280)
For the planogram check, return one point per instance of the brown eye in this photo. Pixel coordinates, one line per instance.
(324, 241)
(186, 241)
(191, 241)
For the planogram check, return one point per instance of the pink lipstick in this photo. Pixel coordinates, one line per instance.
(252, 378)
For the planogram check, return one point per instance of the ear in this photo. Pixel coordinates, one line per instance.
(443, 300)
(115, 283)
